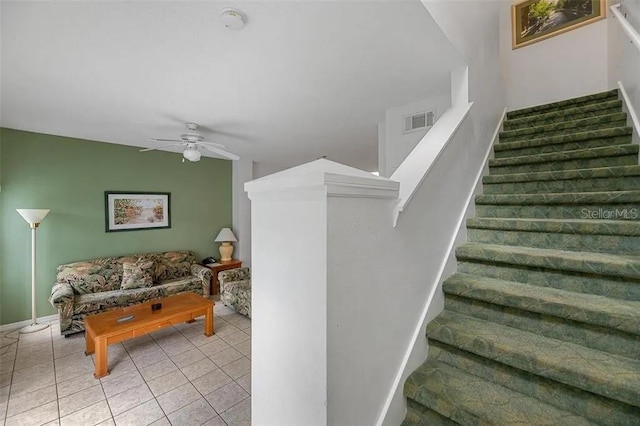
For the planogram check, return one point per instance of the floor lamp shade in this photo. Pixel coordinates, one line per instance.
(33, 217)
(226, 248)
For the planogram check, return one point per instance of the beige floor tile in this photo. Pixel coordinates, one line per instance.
(244, 347)
(128, 399)
(33, 359)
(211, 381)
(4, 393)
(119, 367)
(216, 421)
(80, 400)
(226, 329)
(158, 369)
(76, 384)
(91, 415)
(188, 357)
(55, 422)
(245, 382)
(238, 368)
(239, 414)
(30, 400)
(122, 383)
(108, 422)
(30, 373)
(225, 357)
(143, 414)
(235, 338)
(40, 415)
(178, 398)
(162, 422)
(226, 397)
(82, 366)
(194, 413)
(169, 381)
(147, 345)
(178, 347)
(213, 347)
(199, 368)
(23, 387)
(200, 339)
(3, 410)
(143, 359)
(5, 378)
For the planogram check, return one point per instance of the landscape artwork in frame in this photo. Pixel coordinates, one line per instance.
(130, 211)
(536, 20)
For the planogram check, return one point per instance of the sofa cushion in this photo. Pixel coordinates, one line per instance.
(136, 275)
(91, 276)
(170, 265)
(93, 302)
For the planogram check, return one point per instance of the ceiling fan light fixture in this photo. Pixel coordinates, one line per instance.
(192, 154)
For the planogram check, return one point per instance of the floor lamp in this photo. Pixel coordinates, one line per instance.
(33, 217)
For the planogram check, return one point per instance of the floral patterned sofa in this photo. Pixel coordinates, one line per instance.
(93, 286)
(235, 289)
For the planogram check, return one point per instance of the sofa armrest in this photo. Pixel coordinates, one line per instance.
(61, 295)
(231, 275)
(204, 274)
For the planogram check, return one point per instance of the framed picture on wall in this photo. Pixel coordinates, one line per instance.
(132, 211)
(536, 20)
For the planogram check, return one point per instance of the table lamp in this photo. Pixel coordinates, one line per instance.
(226, 248)
(33, 217)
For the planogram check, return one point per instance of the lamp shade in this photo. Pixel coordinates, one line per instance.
(34, 215)
(225, 235)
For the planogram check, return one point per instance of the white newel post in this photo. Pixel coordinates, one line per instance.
(314, 229)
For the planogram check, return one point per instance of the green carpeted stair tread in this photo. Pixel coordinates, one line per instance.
(564, 146)
(590, 123)
(628, 211)
(574, 136)
(591, 173)
(563, 226)
(594, 371)
(565, 114)
(575, 281)
(577, 154)
(591, 406)
(563, 104)
(584, 262)
(610, 197)
(471, 400)
(419, 415)
(622, 183)
(622, 315)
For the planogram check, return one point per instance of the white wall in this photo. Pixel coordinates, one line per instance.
(623, 57)
(396, 145)
(568, 65)
(242, 171)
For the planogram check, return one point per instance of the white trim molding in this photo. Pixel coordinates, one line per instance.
(630, 109)
(17, 325)
(626, 26)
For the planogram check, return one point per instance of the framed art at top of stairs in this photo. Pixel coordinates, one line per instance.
(536, 20)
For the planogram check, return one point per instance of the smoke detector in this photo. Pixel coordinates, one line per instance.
(232, 19)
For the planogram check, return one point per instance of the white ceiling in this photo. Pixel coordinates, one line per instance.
(301, 80)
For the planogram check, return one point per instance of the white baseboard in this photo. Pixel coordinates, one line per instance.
(17, 325)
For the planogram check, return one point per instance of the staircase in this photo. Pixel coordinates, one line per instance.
(541, 324)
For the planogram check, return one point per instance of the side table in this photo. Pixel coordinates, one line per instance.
(220, 266)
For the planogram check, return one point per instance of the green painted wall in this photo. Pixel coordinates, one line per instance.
(69, 176)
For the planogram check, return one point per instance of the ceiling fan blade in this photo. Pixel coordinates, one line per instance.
(213, 144)
(161, 147)
(221, 152)
(165, 140)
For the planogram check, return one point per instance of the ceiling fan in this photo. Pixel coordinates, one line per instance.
(193, 142)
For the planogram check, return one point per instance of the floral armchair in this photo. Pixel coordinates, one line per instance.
(235, 289)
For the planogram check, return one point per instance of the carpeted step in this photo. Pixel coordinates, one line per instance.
(618, 119)
(606, 198)
(514, 151)
(577, 136)
(594, 407)
(419, 415)
(620, 315)
(621, 183)
(610, 156)
(589, 263)
(610, 286)
(568, 114)
(602, 373)
(580, 101)
(602, 236)
(592, 173)
(471, 400)
(629, 211)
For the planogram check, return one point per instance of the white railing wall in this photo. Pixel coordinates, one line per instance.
(624, 60)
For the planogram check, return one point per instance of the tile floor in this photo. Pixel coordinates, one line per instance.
(175, 376)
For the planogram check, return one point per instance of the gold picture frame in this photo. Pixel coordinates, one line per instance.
(536, 20)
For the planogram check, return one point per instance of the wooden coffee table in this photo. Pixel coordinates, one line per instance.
(104, 329)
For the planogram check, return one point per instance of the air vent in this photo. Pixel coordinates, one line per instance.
(418, 121)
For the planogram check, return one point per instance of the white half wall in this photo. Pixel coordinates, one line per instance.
(394, 147)
(568, 65)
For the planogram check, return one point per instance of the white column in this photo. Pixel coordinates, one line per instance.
(242, 172)
(306, 322)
